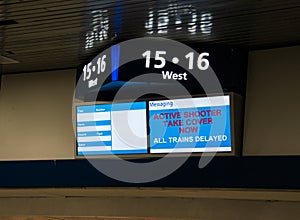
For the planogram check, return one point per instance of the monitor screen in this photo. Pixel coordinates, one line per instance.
(111, 129)
(190, 125)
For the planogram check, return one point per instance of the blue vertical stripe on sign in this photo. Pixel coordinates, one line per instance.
(115, 59)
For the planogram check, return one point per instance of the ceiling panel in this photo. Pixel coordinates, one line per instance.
(64, 34)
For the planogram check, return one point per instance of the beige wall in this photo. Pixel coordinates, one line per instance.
(35, 116)
(272, 117)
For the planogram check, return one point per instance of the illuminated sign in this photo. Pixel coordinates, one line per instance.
(190, 125)
(111, 129)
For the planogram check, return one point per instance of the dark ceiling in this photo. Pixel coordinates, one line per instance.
(57, 34)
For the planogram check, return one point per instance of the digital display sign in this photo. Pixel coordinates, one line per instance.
(119, 128)
(147, 69)
(190, 125)
(187, 125)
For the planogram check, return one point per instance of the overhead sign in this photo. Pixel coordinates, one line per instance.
(173, 62)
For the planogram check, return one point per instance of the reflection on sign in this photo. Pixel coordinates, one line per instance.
(100, 23)
(182, 16)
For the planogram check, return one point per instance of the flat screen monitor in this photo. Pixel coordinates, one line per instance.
(190, 125)
(119, 128)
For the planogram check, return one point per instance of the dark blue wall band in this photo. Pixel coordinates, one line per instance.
(224, 172)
